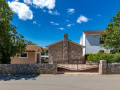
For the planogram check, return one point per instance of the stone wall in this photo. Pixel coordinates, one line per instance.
(109, 68)
(28, 68)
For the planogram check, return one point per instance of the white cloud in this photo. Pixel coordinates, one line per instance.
(21, 9)
(28, 1)
(99, 15)
(67, 20)
(69, 25)
(71, 10)
(57, 24)
(44, 10)
(16, 0)
(53, 12)
(34, 22)
(50, 4)
(61, 28)
(51, 22)
(54, 23)
(82, 19)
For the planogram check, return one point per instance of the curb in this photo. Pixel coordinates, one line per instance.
(81, 73)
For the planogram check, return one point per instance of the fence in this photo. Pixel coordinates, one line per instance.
(70, 61)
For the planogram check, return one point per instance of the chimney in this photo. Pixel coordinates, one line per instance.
(65, 46)
(65, 36)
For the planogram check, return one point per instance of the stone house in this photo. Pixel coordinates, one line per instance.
(31, 55)
(65, 51)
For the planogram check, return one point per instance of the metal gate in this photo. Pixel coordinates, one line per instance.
(76, 66)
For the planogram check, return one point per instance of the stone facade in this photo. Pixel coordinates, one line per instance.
(109, 68)
(65, 51)
(56, 52)
(28, 68)
(75, 53)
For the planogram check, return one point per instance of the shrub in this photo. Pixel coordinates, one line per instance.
(90, 57)
(93, 57)
(105, 56)
(86, 56)
(109, 57)
(117, 57)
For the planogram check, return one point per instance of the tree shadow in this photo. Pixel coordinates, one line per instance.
(18, 77)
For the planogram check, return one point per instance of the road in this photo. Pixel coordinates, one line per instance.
(60, 82)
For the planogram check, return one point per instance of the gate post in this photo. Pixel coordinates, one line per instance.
(55, 67)
(103, 67)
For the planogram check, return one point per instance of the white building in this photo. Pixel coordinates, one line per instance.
(91, 41)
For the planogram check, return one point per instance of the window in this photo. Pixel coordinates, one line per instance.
(101, 51)
(101, 41)
(23, 55)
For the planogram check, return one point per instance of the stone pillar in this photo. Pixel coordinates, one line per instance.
(103, 67)
(55, 67)
(65, 47)
(84, 61)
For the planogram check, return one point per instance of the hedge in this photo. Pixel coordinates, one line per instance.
(105, 56)
(86, 56)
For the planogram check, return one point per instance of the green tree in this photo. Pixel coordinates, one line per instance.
(27, 42)
(111, 36)
(11, 42)
(43, 51)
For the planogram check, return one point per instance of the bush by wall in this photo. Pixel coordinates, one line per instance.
(105, 56)
(86, 56)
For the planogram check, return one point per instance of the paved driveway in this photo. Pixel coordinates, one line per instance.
(60, 82)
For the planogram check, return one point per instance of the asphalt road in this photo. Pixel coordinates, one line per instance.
(60, 82)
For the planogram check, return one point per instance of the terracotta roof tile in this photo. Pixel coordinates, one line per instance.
(45, 48)
(31, 48)
(94, 32)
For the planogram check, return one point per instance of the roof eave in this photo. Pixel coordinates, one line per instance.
(54, 43)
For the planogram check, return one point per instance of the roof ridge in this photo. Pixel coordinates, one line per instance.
(96, 30)
(53, 43)
(32, 45)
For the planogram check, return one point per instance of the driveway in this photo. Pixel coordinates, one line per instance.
(60, 82)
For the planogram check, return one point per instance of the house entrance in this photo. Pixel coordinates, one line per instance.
(38, 58)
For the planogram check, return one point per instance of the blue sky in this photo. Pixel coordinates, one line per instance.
(44, 21)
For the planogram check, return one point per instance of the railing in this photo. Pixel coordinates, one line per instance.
(70, 61)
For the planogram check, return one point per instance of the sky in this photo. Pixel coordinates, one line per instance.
(44, 21)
